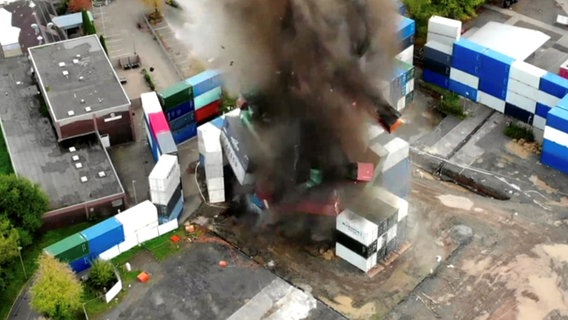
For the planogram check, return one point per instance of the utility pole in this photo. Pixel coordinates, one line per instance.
(22, 261)
(134, 191)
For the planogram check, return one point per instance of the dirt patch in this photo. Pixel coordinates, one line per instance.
(518, 150)
(542, 185)
(344, 305)
(456, 202)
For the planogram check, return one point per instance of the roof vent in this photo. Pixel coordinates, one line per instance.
(75, 61)
(62, 64)
(70, 113)
(75, 158)
(78, 165)
(102, 174)
(65, 73)
(81, 78)
(82, 100)
(100, 100)
(84, 179)
(88, 109)
(77, 56)
(72, 149)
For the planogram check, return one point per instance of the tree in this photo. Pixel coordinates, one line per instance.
(79, 5)
(9, 237)
(88, 25)
(155, 5)
(101, 275)
(23, 204)
(56, 292)
(422, 10)
(103, 43)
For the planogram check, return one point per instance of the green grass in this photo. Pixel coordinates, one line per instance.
(5, 163)
(518, 131)
(29, 256)
(449, 104)
(149, 79)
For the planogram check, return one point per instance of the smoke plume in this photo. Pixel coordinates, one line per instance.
(316, 64)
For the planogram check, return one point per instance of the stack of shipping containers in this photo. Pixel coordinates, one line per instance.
(166, 188)
(73, 250)
(177, 102)
(555, 145)
(140, 223)
(103, 236)
(207, 93)
(236, 141)
(158, 132)
(211, 159)
(371, 228)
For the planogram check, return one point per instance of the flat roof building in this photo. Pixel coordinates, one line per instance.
(81, 89)
(76, 174)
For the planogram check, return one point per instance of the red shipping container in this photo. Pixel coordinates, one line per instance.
(158, 123)
(564, 72)
(365, 171)
(210, 111)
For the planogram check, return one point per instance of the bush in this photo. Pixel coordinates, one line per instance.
(228, 103)
(450, 103)
(149, 79)
(101, 275)
(519, 131)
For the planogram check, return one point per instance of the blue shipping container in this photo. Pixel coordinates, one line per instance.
(205, 81)
(218, 122)
(563, 103)
(554, 84)
(80, 264)
(179, 110)
(438, 56)
(498, 90)
(436, 78)
(207, 98)
(518, 113)
(542, 110)
(497, 62)
(463, 90)
(182, 121)
(407, 42)
(257, 202)
(103, 236)
(184, 134)
(468, 66)
(178, 209)
(468, 50)
(558, 118)
(554, 155)
(406, 27)
(439, 68)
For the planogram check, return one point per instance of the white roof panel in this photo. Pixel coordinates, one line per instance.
(515, 42)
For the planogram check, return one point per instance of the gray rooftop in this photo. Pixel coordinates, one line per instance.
(76, 74)
(34, 150)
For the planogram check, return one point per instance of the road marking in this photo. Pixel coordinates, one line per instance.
(277, 301)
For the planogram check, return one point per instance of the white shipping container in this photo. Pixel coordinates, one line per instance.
(207, 133)
(442, 47)
(539, 122)
(150, 103)
(148, 233)
(163, 197)
(522, 89)
(216, 196)
(356, 227)
(216, 184)
(521, 102)
(445, 26)
(556, 136)
(391, 234)
(392, 153)
(213, 171)
(547, 99)
(401, 104)
(382, 241)
(138, 216)
(465, 78)
(406, 55)
(445, 40)
(164, 173)
(491, 101)
(374, 130)
(353, 258)
(130, 241)
(110, 253)
(213, 158)
(526, 73)
(168, 226)
(409, 86)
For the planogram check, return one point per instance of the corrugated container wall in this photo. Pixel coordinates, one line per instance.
(103, 236)
(69, 249)
(137, 217)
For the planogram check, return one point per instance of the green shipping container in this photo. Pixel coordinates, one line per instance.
(175, 95)
(69, 249)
